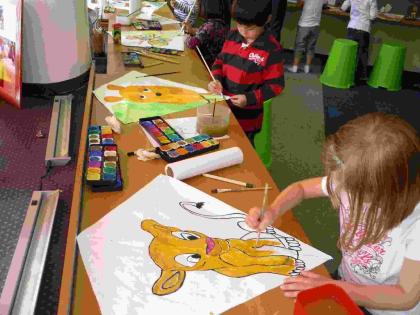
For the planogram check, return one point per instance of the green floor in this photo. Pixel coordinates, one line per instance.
(298, 134)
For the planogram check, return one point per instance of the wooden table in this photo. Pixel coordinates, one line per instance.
(76, 294)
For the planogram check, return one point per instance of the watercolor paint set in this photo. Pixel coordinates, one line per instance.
(103, 168)
(187, 148)
(160, 130)
(100, 135)
(147, 25)
(132, 59)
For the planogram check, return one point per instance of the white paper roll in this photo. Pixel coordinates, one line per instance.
(134, 5)
(205, 163)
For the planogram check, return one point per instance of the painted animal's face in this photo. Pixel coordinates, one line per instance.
(176, 251)
(152, 94)
(184, 250)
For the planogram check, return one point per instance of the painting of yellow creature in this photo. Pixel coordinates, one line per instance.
(177, 252)
(152, 94)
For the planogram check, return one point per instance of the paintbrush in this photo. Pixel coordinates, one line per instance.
(157, 74)
(224, 190)
(208, 69)
(228, 180)
(148, 55)
(188, 16)
(262, 211)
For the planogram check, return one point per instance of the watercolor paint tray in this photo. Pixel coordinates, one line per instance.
(187, 148)
(147, 25)
(132, 59)
(160, 130)
(100, 135)
(102, 165)
(103, 171)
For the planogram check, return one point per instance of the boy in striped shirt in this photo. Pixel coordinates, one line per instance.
(249, 68)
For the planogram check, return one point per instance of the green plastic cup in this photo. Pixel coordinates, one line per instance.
(388, 68)
(262, 140)
(341, 64)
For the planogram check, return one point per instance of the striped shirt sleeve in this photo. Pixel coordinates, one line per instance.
(273, 81)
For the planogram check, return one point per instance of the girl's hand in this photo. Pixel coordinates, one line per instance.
(254, 221)
(307, 280)
(215, 87)
(188, 28)
(239, 100)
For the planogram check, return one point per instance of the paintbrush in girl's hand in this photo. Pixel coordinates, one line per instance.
(188, 17)
(262, 211)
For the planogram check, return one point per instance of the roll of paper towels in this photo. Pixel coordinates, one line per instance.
(205, 163)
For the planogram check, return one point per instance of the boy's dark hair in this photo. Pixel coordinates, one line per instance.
(216, 9)
(251, 12)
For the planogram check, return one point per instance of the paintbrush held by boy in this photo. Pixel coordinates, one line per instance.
(249, 68)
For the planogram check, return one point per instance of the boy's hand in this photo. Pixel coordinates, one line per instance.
(239, 100)
(172, 3)
(215, 87)
(254, 221)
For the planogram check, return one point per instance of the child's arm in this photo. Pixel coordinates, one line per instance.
(346, 5)
(273, 81)
(373, 10)
(402, 296)
(287, 199)
(199, 36)
(216, 69)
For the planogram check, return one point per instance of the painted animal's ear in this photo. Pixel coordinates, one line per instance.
(169, 282)
(115, 87)
(112, 99)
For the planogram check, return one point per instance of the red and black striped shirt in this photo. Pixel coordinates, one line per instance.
(255, 71)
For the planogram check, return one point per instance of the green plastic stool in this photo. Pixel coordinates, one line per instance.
(262, 140)
(341, 64)
(388, 68)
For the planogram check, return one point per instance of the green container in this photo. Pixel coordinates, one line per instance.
(262, 140)
(341, 64)
(389, 66)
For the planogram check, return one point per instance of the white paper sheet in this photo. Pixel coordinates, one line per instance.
(119, 253)
(160, 39)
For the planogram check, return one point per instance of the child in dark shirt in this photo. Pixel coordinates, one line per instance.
(249, 68)
(210, 36)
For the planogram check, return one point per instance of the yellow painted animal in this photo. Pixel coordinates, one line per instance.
(152, 94)
(176, 252)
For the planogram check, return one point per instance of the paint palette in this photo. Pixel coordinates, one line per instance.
(100, 135)
(187, 148)
(160, 130)
(103, 168)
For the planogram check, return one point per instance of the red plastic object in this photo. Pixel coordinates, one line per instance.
(328, 291)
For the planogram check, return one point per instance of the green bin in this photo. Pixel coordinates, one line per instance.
(341, 64)
(388, 68)
(262, 140)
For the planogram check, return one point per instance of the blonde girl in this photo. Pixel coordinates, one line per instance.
(372, 177)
